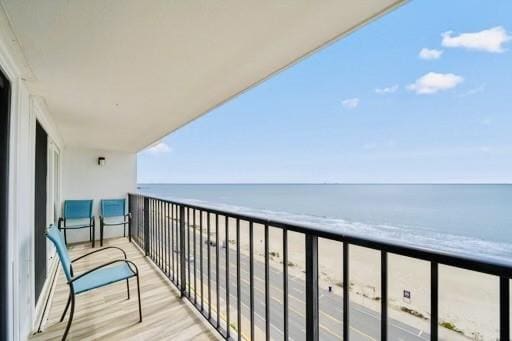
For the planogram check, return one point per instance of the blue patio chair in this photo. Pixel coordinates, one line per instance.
(78, 211)
(113, 209)
(100, 276)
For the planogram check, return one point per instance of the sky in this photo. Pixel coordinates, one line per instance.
(421, 95)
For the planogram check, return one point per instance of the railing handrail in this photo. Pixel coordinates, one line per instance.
(489, 266)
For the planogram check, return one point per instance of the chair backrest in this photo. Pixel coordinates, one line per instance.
(113, 208)
(77, 209)
(55, 236)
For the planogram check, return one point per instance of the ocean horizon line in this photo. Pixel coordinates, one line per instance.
(327, 183)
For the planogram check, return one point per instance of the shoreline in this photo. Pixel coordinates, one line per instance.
(457, 245)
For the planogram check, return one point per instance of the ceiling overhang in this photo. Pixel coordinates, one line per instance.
(120, 75)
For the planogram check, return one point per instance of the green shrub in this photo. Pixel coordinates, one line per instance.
(413, 312)
(451, 326)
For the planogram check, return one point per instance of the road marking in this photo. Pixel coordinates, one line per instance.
(224, 318)
(370, 313)
(296, 311)
(272, 325)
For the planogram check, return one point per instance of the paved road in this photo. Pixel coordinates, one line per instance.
(364, 322)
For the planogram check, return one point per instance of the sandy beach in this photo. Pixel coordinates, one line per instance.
(468, 301)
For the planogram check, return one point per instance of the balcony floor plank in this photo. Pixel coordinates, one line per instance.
(106, 313)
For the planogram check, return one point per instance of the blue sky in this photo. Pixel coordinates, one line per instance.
(423, 94)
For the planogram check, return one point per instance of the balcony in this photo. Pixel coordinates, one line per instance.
(224, 265)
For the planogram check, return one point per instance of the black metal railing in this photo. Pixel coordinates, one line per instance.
(184, 241)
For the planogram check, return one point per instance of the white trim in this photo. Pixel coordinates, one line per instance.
(11, 214)
(41, 314)
(13, 332)
(39, 113)
(42, 115)
(8, 67)
(53, 202)
(13, 72)
(23, 113)
(20, 210)
(30, 178)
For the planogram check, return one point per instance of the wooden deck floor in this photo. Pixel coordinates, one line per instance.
(106, 313)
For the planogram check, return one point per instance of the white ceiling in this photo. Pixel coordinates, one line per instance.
(121, 74)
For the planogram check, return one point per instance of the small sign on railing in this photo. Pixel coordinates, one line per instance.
(407, 296)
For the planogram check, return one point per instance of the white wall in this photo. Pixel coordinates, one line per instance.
(84, 179)
(25, 109)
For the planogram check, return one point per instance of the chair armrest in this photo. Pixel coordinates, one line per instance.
(130, 264)
(99, 250)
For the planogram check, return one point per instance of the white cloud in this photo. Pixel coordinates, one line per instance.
(430, 54)
(158, 148)
(387, 90)
(432, 82)
(490, 40)
(350, 103)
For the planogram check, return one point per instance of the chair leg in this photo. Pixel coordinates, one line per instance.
(66, 309)
(101, 233)
(93, 228)
(130, 228)
(70, 317)
(66, 237)
(128, 287)
(124, 229)
(138, 293)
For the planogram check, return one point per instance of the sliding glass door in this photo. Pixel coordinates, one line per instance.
(40, 208)
(5, 95)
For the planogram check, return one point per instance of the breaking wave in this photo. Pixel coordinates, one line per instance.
(403, 235)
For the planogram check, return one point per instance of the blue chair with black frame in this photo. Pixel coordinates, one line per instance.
(79, 211)
(100, 276)
(112, 210)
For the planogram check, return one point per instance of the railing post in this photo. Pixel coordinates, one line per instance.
(346, 288)
(146, 226)
(504, 308)
(384, 295)
(183, 285)
(434, 300)
(130, 204)
(312, 323)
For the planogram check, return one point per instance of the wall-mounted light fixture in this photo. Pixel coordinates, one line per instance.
(101, 161)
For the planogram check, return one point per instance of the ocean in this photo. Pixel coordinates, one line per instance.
(463, 219)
